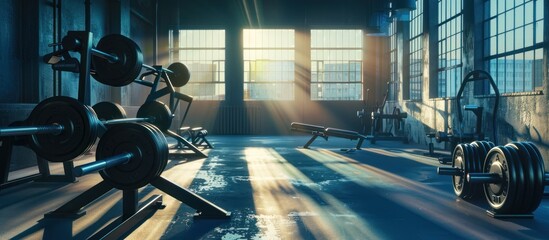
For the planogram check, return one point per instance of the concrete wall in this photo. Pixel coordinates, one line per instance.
(520, 116)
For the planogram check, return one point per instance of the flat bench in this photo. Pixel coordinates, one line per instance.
(320, 131)
(196, 135)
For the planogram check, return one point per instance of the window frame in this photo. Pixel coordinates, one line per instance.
(316, 48)
(218, 73)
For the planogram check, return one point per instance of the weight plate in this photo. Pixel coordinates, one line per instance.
(483, 145)
(481, 152)
(180, 76)
(109, 111)
(78, 136)
(529, 181)
(126, 69)
(159, 136)
(500, 195)
(538, 167)
(461, 160)
(148, 153)
(159, 112)
(520, 183)
(474, 167)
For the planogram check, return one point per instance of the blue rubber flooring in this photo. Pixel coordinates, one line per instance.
(275, 190)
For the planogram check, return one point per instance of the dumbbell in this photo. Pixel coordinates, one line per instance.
(466, 158)
(129, 155)
(513, 178)
(158, 112)
(117, 61)
(61, 128)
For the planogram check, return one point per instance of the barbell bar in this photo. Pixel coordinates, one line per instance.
(53, 129)
(102, 164)
(466, 158)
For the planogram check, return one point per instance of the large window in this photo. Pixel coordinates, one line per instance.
(416, 51)
(269, 68)
(336, 64)
(513, 44)
(203, 52)
(449, 47)
(393, 76)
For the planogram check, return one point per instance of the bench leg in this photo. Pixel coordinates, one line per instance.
(208, 143)
(310, 141)
(186, 143)
(359, 144)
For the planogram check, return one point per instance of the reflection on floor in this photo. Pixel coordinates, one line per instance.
(278, 191)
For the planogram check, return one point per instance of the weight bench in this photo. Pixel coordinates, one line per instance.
(196, 135)
(320, 131)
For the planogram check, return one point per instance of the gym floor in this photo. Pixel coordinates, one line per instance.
(275, 190)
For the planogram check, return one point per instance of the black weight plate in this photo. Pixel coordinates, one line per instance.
(109, 111)
(520, 184)
(78, 136)
(159, 111)
(539, 174)
(162, 146)
(126, 69)
(180, 76)
(95, 123)
(501, 195)
(474, 167)
(160, 138)
(481, 152)
(142, 143)
(529, 181)
(460, 160)
(487, 145)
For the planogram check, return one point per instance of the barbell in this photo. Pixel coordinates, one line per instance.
(466, 158)
(118, 60)
(61, 128)
(129, 156)
(513, 178)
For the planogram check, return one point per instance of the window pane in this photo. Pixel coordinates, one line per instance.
(337, 55)
(270, 56)
(204, 56)
(516, 69)
(450, 47)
